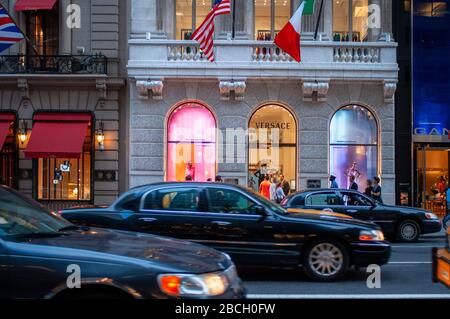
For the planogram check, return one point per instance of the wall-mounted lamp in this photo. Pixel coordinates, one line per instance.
(100, 136)
(22, 134)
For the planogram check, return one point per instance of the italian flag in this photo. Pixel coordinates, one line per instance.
(288, 39)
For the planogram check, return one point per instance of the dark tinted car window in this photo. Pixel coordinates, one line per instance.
(297, 201)
(178, 199)
(322, 199)
(229, 201)
(129, 202)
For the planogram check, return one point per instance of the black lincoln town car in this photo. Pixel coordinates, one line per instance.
(253, 230)
(397, 222)
(44, 256)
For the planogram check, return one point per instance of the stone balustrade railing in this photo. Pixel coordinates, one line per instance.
(265, 52)
(161, 58)
(185, 52)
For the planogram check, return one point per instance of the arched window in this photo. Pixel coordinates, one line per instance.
(272, 145)
(191, 143)
(353, 145)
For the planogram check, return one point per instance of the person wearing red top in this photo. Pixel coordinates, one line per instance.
(441, 185)
(264, 187)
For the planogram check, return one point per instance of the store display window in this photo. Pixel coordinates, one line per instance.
(191, 144)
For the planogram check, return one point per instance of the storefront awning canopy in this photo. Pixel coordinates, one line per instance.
(28, 5)
(58, 135)
(5, 123)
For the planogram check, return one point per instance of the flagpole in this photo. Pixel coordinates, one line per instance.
(233, 27)
(24, 35)
(318, 21)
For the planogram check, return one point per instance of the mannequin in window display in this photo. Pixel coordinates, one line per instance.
(190, 171)
(352, 172)
(261, 173)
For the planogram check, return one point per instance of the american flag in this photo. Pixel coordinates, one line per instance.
(205, 32)
(9, 32)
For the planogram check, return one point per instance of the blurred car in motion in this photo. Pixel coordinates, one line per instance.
(401, 223)
(39, 250)
(441, 263)
(254, 231)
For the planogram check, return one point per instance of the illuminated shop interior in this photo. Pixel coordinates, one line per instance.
(272, 145)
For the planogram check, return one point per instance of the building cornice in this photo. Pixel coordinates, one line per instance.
(54, 80)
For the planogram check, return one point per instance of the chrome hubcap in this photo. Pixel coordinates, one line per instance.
(447, 224)
(326, 259)
(409, 231)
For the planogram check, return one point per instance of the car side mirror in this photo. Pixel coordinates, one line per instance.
(260, 210)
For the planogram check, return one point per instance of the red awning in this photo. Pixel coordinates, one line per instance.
(59, 135)
(5, 123)
(4, 129)
(28, 5)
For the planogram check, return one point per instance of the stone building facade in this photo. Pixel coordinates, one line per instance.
(77, 78)
(332, 114)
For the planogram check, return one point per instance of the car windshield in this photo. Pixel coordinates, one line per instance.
(22, 216)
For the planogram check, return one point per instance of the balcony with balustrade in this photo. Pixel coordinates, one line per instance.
(354, 61)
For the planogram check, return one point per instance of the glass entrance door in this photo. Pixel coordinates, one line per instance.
(432, 178)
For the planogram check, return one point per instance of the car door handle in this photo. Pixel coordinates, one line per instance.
(148, 219)
(220, 223)
(352, 211)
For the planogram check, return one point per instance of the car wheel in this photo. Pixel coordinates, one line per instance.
(326, 260)
(408, 231)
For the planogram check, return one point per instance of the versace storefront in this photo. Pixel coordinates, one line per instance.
(193, 134)
(254, 111)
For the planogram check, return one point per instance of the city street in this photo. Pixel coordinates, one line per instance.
(408, 275)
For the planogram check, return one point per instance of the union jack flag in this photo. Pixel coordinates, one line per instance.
(9, 32)
(205, 32)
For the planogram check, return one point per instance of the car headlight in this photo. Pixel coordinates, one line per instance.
(430, 216)
(188, 285)
(371, 235)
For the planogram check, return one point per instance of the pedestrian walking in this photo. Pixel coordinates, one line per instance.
(273, 188)
(333, 183)
(285, 185)
(279, 194)
(447, 200)
(264, 187)
(369, 188)
(353, 184)
(376, 191)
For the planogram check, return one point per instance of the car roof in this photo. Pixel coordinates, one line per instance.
(147, 187)
(311, 190)
(305, 192)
